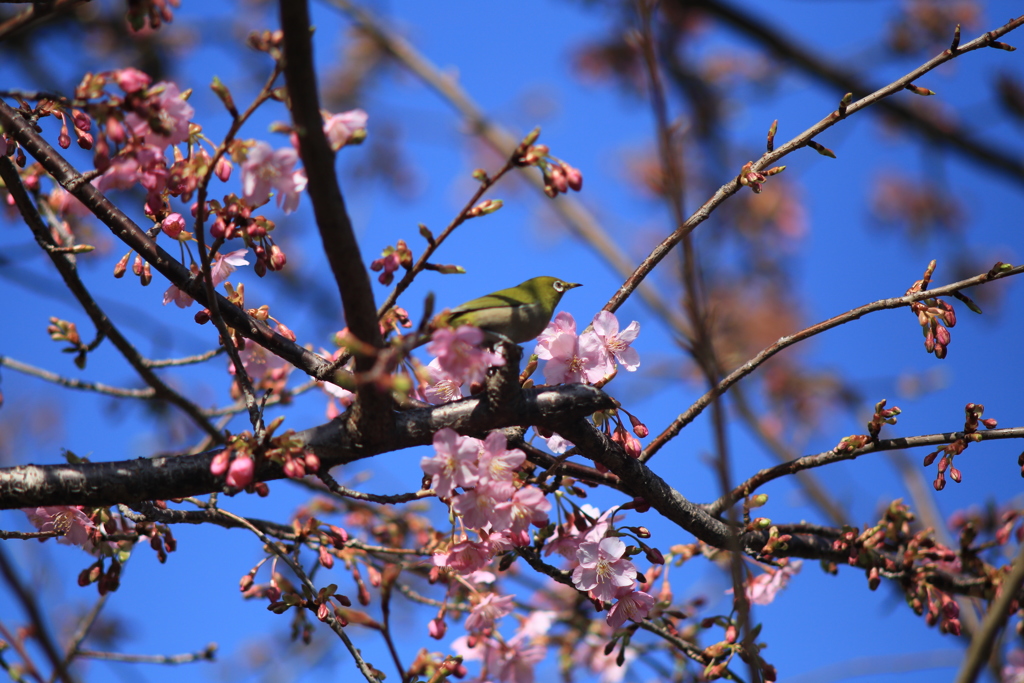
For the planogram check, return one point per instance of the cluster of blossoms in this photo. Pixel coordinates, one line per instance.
(590, 357)
(478, 480)
(129, 130)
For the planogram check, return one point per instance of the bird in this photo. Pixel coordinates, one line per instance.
(517, 314)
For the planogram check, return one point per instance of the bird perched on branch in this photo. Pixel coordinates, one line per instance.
(517, 314)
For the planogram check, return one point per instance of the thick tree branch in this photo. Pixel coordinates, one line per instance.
(332, 217)
(165, 477)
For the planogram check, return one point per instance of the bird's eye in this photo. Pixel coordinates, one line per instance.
(559, 286)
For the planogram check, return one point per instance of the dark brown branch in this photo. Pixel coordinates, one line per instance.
(161, 478)
(332, 217)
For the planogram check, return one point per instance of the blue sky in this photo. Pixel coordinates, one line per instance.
(516, 61)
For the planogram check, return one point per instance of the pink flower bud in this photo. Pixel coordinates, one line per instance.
(137, 265)
(219, 464)
(558, 179)
(240, 472)
(941, 336)
(147, 274)
(173, 225)
(223, 169)
(115, 130)
(122, 266)
(437, 628)
(312, 461)
(573, 176)
(326, 559)
(277, 257)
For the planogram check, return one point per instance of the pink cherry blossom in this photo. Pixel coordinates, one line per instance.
(568, 537)
(496, 462)
(453, 463)
(344, 396)
(486, 505)
(346, 127)
(73, 525)
(606, 326)
(131, 79)
(265, 170)
(762, 589)
(459, 354)
(173, 225)
(490, 608)
(602, 570)
(225, 264)
(240, 472)
(558, 444)
(529, 506)
(466, 557)
(162, 119)
(563, 323)
(261, 364)
(630, 604)
(575, 359)
(440, 388)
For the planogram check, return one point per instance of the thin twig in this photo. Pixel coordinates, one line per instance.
(739, 373)
(827, 457)
(71, 383)
(207, 654)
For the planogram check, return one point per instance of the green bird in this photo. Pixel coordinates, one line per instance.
(517, 314)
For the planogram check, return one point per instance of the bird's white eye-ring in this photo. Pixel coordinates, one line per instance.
(559, 286)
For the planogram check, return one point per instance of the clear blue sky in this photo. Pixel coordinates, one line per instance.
(515, 60)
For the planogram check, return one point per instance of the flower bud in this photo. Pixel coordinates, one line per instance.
(122, 266)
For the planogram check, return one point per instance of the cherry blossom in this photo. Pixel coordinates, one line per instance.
(630, 604)
(571, 358)
(73, 525)
(162, 119)
(439, 387)
(486, 505)
(496, 462)
(488, 610)
(563, 323)
(601, 568)
(529, 506)
(453, 463)
(459, 354)
(606, 327)
(266, 169)
(466, 557)
(762, 589)
(346, 127)
(223, 265)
